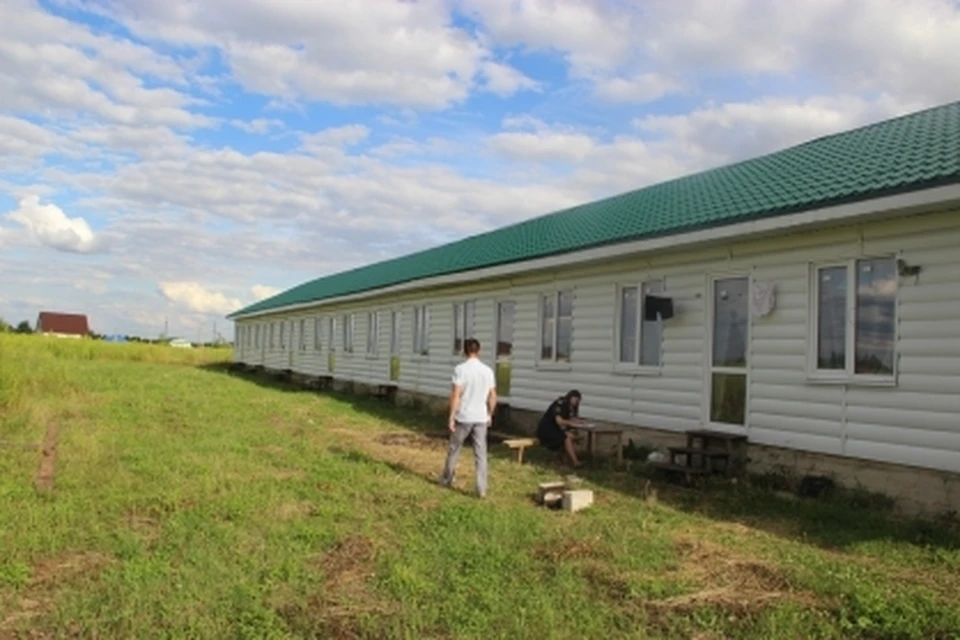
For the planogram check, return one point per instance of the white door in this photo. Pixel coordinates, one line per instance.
(729, 339)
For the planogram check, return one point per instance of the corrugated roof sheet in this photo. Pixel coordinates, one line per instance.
(911, 152)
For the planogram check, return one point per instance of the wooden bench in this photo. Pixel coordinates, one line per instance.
(519, 444)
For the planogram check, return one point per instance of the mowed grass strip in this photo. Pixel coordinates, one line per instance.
(187, 502)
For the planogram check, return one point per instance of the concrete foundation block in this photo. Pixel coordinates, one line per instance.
(577, 500)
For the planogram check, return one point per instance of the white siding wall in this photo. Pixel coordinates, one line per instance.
(913, 423)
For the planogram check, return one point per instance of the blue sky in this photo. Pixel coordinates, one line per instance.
(177, 160)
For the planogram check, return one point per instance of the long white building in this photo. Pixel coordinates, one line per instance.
(809, 299)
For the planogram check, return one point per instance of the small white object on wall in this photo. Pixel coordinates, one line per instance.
(764, 299)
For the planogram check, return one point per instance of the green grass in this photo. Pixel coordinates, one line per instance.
(192, 503)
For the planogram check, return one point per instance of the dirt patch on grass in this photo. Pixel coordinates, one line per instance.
(414, 440)
(48, 460)
(49, 576)
(737, 584)
(146, 527)
(571, 550)
(346, 597)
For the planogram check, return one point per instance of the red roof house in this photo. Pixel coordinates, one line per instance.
(62, 324)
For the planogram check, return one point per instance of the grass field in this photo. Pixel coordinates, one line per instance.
(180, 501)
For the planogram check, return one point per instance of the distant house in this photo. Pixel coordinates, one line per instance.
(181, 343)
(63, 325)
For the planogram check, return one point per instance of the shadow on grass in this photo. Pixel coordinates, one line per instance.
(837, 522)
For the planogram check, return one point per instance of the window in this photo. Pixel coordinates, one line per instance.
(373, 332)
(317, 335)
(348, 333)
(394, 332)
(463, 316)
(729, 340)
(855, 319)
(421, 330)
(303, 335)
(556, 326)
(639, 338)
(256, 336)
(283, 327)
(505, 313)
(273, 327)
(331, 333)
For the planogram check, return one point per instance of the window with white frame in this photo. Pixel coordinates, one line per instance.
(256, 336)
(302, 337)
(395, 332)
(348, 333)
(556, 326)
(421, 330)
(639, 337)
(373, 332)
(317, 334)
(331, 333)
(273, 330)
(463, 317)
(283, 330)
(854, 319)
(505, 314)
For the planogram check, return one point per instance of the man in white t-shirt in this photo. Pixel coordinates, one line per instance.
(473, 399)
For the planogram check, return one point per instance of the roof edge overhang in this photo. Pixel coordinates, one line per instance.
(911, 202)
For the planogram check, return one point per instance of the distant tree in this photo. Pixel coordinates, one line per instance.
(5, 326)
(23, 327)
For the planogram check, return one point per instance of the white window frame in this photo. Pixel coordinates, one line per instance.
(302, 337)
(348, 326)
(421, 330)
(552, 362)
(498, 331)
(396, 318)
(332, 334)
(373, 333)
(637, 368)
(710, 369)
(317, 334)
(461, 323)
(273, 331)
(848, 374)
(283, 331)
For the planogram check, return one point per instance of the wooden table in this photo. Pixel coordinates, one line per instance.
(593, 432)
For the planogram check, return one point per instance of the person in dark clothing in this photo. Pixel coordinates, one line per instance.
(554, 429)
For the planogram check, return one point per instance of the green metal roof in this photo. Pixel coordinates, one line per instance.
(911, 152)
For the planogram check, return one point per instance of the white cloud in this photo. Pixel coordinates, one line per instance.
(258, 125)
(193, 296)
(738, 130)
(377, 52)
(262, 291)
(335, 137)
(858, 45)
(645, 87)
(506, 81)
(50, 226)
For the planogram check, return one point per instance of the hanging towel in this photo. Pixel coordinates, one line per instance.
(764, 299)
(654, 306)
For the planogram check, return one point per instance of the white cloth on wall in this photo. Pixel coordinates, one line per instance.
(764, 299)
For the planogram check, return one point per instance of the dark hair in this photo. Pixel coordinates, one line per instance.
(471, 346)
(573, 393)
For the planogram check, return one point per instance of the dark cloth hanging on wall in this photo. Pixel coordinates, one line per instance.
(655, 305)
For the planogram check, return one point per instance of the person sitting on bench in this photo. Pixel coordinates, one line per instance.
(554, 429)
